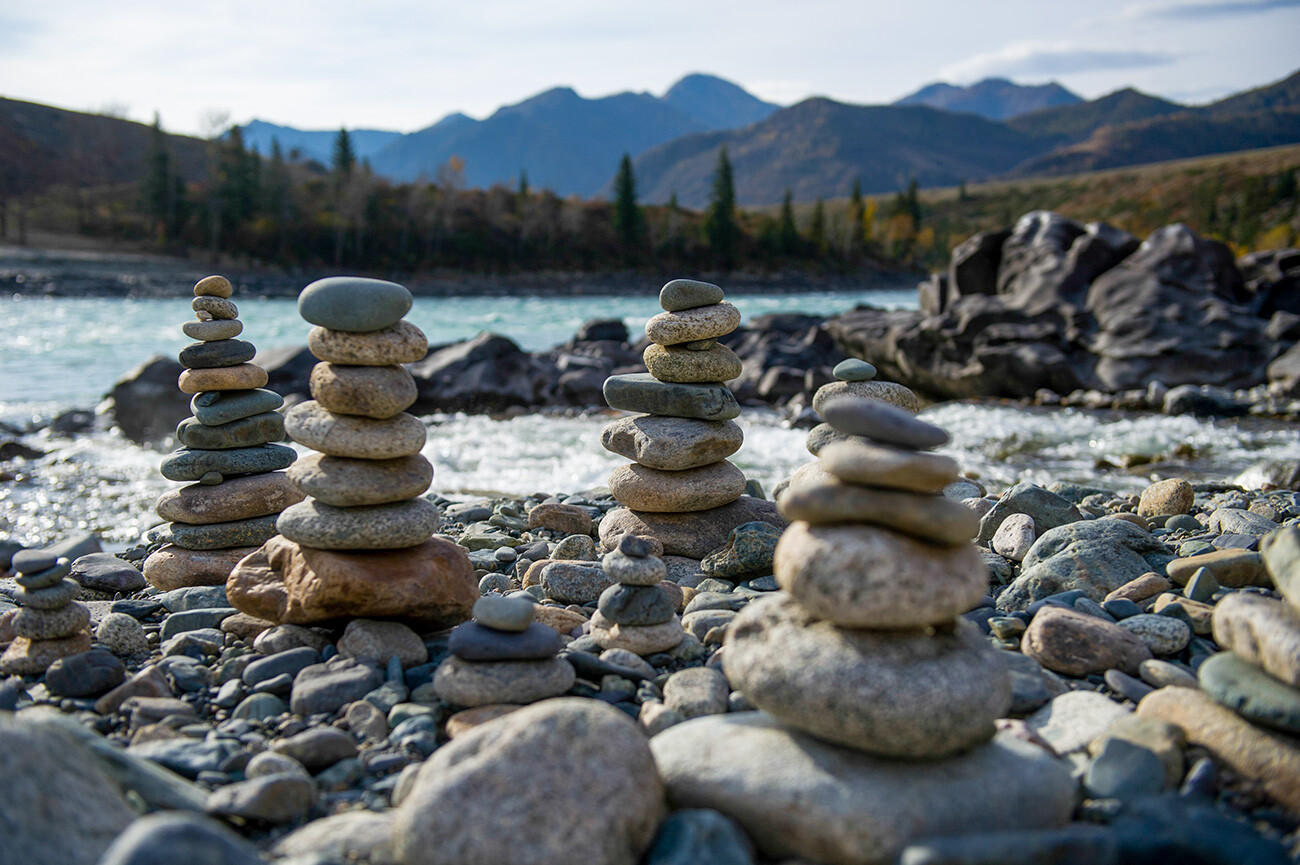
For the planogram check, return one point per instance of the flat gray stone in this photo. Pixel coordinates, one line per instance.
(189, 464)
(246, 432)
(672, 443)
(680, 294)
(478, 683)
(216, 407)
(1250, 692)
(217, 353)
(642, 392)
(371, 527)
(854, 369)
(882, 422)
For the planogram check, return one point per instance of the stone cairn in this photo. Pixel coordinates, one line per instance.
(681, 480)
(364, 484)
(865, 648)
(636, 613)
(227, 452)
(50, 625)
(502, 656)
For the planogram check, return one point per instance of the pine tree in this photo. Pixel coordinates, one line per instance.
(853, 227)
(626, 216)
(787, 235)
(156, 186)
(720, 220)
(817, 228)
(523, 184)
(344, 158)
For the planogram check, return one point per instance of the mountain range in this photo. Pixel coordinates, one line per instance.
(940, 135)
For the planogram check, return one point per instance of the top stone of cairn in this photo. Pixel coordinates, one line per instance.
(213, 286)
(683, 294)
(354, 304)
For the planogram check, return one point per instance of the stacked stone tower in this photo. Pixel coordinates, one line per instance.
(365, 481)
(635, 613)
(227, 452)
(680, 488)
(503, 656)
(877, 566)
(50, 625)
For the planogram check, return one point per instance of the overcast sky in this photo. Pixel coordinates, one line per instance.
(403, 64)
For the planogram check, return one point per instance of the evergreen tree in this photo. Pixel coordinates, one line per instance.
(344, 158)
(626, 216)
(817, 228)
(156, 187)
(787, 234)
(523, 184)
(853, 229)
(720, 220)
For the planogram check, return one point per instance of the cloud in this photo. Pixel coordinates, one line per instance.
(16, 33)
(1046, 59)
(1201, 9)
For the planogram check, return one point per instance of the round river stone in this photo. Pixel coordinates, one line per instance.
(857, 461)
(704, 322)
(216, 407)
(341, 435)
(246, 432)
(400, 343)
(477, 683)
(236, 499)
(854, 369)
(372, 391)
(213, 286)
(219, 536)
(245, 376)
(354, 304)
(682, 294)
(636, 606)
(885, 391)
(372, 527)
(345, 482)
(672, 443)
(472, 641)
(217, 307)
(655, 491)
(670, 363)
(882, 422)
(910, 694)
(210, 331)
(217, 353)
(868, 577)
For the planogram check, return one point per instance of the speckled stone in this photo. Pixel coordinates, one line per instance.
(636, 606)
(26, 657)
(236, 499)
(217, 307)
(372, 527)
(345, 482)
(51, 624)
(646, 489)
(868, 577)
(906, 693)
(219, 536)
(477, 683)
(401, 343)
(171, 567)
(643, 640)
(371, 391)
(1163, 635)
(671, 363)
(703, 322)
(672, 443)
(884, 391)
(311, 425)
(213, 286)
(209, 331)
(246, 432)
(216, 407)
(354, 304)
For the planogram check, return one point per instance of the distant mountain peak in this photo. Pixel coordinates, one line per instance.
(994, 98)
(715, 102)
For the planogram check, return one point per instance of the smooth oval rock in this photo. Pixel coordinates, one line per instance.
(931, 518)
(867, 577)
(801, 799)
(401, 343)
(854, 369)
(213, 286)
(683, 294)
(1163, 635)
(908, 694)
(246, 432)
(856, 461)
(354, 304)
(1171, 496)
(642, 392)
(105, 572)
(214, 408)
(339, 435)
(573, 582)
(672, 443)
(637, 606)
(883, 391)
(209, 331)
(641, 640)
(217, 353)
(478, 683)
(504, 613)
(370, 527)
(1250, 692)
(245, 376)
(171, 567)
(218, 536)
(671, 363)
(370, 391)
(646, 489)
(191, 465)
(345, 482)
(532, 753)
(703, 322)
(36, 624)
(236, 499)
(1077, 644)
(566, 519)
(882, 422)
(471, 641)
(1262, 631)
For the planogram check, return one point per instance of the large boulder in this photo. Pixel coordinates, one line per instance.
(797, 342)
(485, 374)
(1056, 304)
(146, 402)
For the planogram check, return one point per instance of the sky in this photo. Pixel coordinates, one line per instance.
(404, 64)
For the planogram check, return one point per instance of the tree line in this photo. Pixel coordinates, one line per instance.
(282, 209)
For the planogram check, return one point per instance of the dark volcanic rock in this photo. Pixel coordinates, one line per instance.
(1060, 305)
(146, 403)
(487, 373)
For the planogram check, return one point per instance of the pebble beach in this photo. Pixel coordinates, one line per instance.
(882, 646)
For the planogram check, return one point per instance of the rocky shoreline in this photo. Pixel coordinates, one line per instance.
(306, 740)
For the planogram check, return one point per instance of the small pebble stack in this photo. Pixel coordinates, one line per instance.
(855, 377)
(502, 656)
(366, 481)
(227, 452)
(877, 566)
(50, 625)
(684, 433)
(636, 613)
